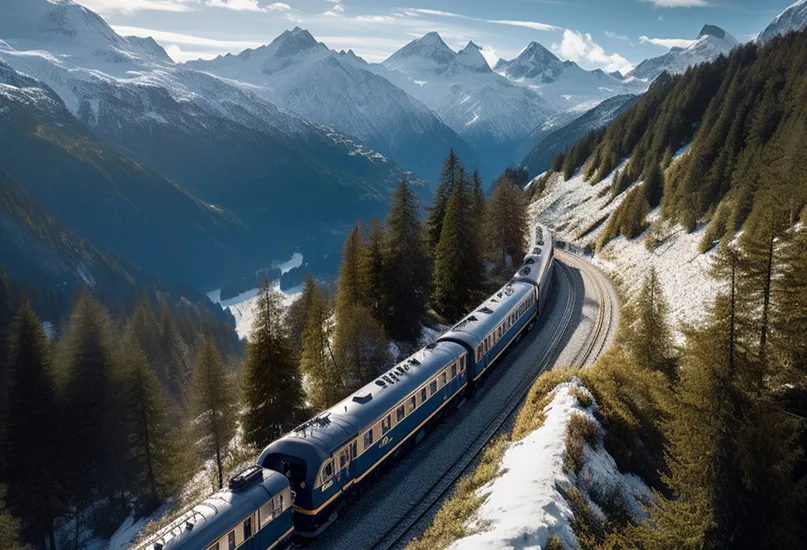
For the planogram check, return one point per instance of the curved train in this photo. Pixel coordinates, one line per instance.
(320, 463)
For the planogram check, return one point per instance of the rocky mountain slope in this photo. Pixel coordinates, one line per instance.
(711, 43)
(338, 89)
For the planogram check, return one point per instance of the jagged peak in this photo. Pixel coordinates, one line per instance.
(294, 41)
(429, 46)
(717, 32)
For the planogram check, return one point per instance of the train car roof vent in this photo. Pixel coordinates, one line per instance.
(400, 370)
(525, 271)
(536, 251)
(363, 398)
(414, 362)
(529, 261)
(246, 479)
(381, 383)
(485, 310)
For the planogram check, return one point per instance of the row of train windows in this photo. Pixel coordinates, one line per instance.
(502, 329)
(397, 415)
(243, 532)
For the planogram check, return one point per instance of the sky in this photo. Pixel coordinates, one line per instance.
(607, 34)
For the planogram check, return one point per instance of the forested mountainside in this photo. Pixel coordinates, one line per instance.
(744, 121)
(539, 159)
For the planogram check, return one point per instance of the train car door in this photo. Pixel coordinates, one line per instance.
(249, 527)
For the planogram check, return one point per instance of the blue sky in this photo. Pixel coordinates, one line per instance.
(610, 34)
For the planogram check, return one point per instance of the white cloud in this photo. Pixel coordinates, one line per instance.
(130, 6)
(336, 10)
(678, 3)
(181, 56)
(616, 36)
(237, 5)
(489, 53)
(667, 42)
(514, 23)
(376, 19)
(578, 47)
(279, 6)
(167, 39)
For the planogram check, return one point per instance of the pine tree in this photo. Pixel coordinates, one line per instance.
(360, 347)
(32, 436)
(506, 224)
(152, 440)
(174, 356)
(789, 317)
(271, 380)
(213, 406)
(451, 280)
(407, 267)
(350, 287)
(92, 416)
(9, 528)
(324, 380)
(372, 270)
(297, 312)
(449, 178)
(651, 338)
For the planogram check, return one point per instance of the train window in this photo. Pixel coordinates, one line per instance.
(344, 459)
(214, 547)
(453, 371)
(399, 414)
(501, 329)
(411, 405)
(247, 528)
(386, 424)
(368, 438)
(462, 363)
(423, 396)
(444, 378)
(231, 540)
(354, 448)
(478, 352)
(264, 514)
(433, 387)
(327, 471)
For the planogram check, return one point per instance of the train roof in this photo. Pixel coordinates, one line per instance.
(538, 257)
(476, 325)
(333, 428)
(215, 516)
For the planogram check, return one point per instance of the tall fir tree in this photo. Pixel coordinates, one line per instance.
(152, 439)
(372, 270)
(450, 176)
(32, 436)
(506, 226)
(325, 383)
(213, 406)
(451, 278)
(350, 290)
(407, 267)
(91, 405)
(360, 347)
(272, 384)
(789, 318)
(297, 312)
(651, 337)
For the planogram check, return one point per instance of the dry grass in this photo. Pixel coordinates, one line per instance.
(583, 397)
(580, 430)
(531, 417)
(450, 523)
(554, 543)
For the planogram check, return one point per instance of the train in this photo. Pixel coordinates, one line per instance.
(303, 479)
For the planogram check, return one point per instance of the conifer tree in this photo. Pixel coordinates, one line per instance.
(360, 347)
(506, 224)
(9, 528)
(789, 317)
(93, 460)
(350, 290)
(297, 312)
(213, 406)
(372, 270)
(450, 176)
(151, 438)
(271, 380)
(651, 339)
(175, 356)
(6, 319)
(324, 380)
(407, 269)
(32, 435)
(451, 278)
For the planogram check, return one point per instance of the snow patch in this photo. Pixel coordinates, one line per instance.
(524, 506)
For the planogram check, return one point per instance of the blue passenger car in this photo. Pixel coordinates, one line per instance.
(328, 456)
(253, 513)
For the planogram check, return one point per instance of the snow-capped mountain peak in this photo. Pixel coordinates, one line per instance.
(711, 43)
(428, 52)
(534, 62)
(793, 19)
(52, 21)
(471, 58)
(293, 42)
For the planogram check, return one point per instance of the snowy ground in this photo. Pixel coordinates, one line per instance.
(524, 507)
(573, 206)
(243, 306)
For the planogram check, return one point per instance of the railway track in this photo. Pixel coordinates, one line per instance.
(397, 534)
(400, 531)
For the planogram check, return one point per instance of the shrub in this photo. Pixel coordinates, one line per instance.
(584, 398)
(554, 543)
(579, 431)
(531, 417)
